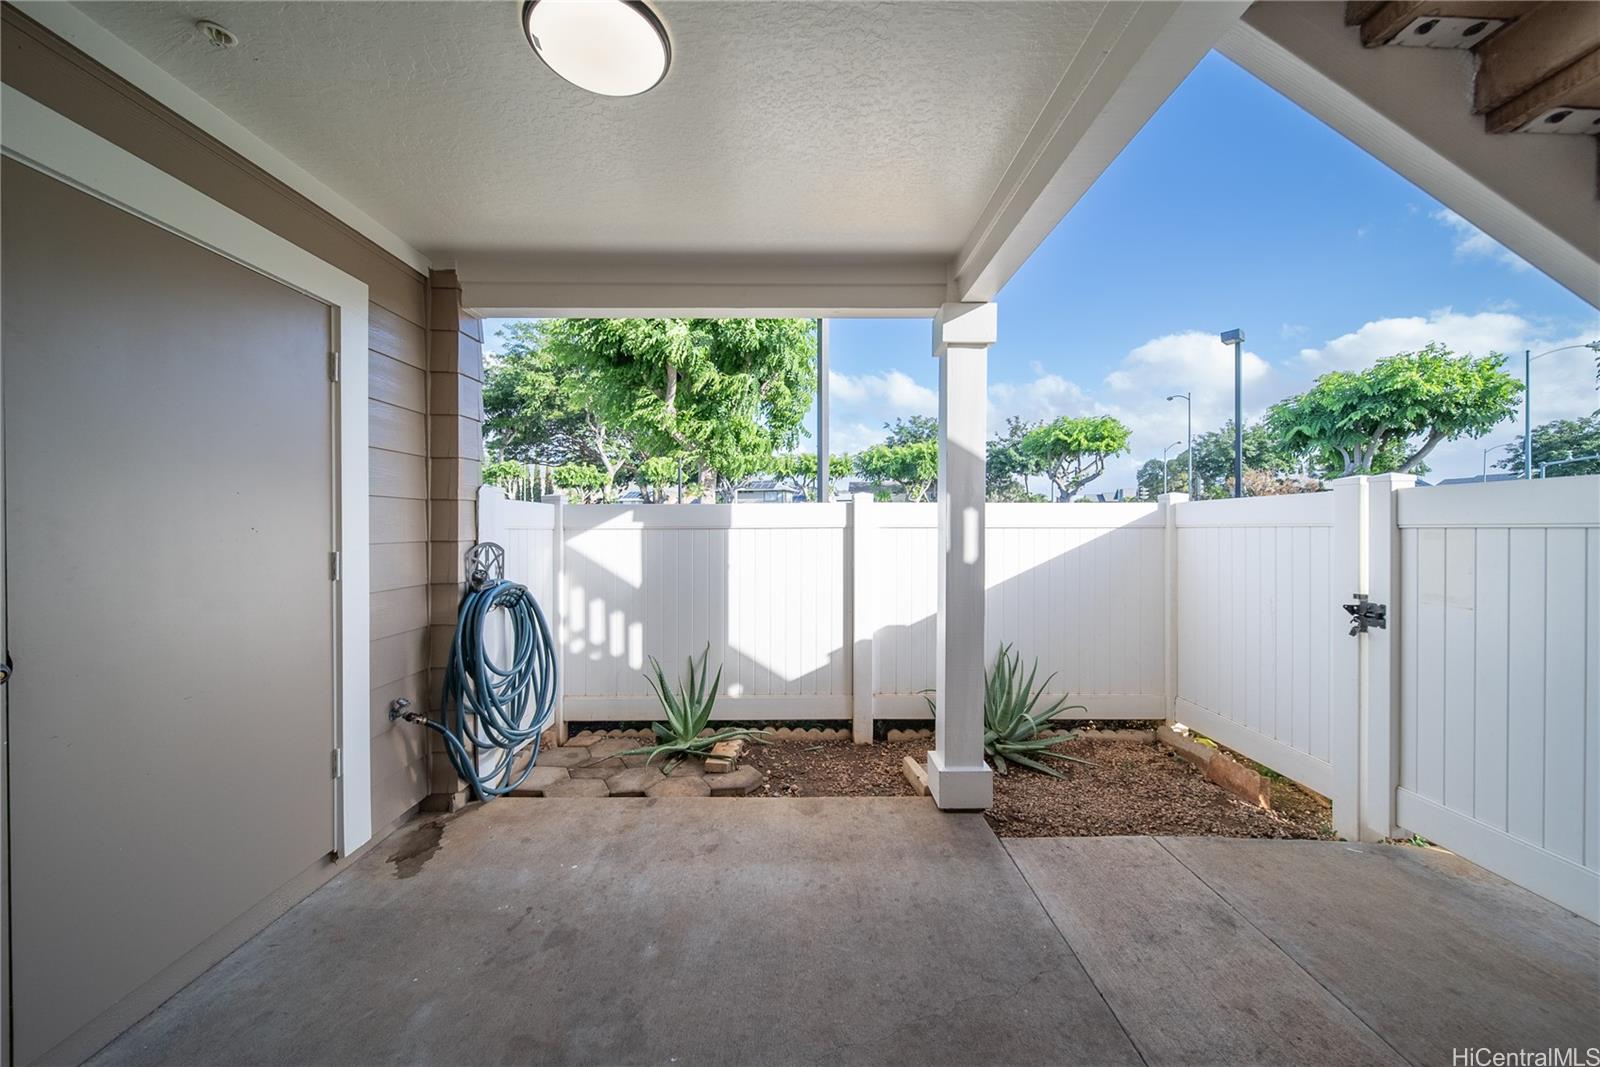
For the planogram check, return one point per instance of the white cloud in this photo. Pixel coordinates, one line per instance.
(1047, 396)
(893, 392)
(1473, 243)
(1480, 334)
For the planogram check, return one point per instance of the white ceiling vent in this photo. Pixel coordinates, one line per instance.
(1565, 120)
(1445, 31)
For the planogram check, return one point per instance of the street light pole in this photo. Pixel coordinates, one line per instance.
(1236, 339)
(1527, 399)
(1188, 435)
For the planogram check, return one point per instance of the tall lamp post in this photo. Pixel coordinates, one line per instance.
(1164, 453)
(1236, 339)
(1188, 403)
(1527, 398)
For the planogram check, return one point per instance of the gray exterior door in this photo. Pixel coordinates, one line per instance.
(168, 449)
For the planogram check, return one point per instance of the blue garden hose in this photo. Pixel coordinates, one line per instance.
(489, 706)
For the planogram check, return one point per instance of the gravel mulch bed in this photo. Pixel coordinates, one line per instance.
(1131, 788)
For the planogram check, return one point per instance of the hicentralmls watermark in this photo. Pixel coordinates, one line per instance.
(1525, 1057)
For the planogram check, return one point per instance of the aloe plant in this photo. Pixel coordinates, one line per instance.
(687, 710)
(1011, 725)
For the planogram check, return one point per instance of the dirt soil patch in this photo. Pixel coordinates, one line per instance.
(1131, 788)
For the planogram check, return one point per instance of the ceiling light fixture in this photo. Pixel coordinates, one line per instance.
(610, 47)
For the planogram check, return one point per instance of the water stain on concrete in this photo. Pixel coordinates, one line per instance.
(417, 849)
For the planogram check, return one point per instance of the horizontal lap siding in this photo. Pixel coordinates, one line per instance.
(398, 513)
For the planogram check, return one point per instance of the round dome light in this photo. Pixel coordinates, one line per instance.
(610, 47)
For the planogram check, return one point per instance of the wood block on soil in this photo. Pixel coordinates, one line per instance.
(916, 774)
(1190, 749)
(1239, 780)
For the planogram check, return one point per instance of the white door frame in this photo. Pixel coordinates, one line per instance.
(50, 143)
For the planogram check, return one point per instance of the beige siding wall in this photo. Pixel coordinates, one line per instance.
(59, 76)
(398, 429)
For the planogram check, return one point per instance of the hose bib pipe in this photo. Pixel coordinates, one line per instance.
(488, 706)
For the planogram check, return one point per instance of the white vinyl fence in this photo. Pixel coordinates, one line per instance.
(1471, 717)
(797, 602)
(1498, 755)
(1265, 664)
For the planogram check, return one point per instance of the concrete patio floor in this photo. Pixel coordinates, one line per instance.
(850, 931)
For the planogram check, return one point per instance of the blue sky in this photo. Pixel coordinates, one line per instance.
(1231, 208)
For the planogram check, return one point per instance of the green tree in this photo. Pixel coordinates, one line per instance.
(1072, 451)
(535, 407)
(1264, 451)
(1149, 477)
(1561, 439)
(911, 430)
(723, 394)
(658, 473)
(1005, 467)
(914, 466)
(583, 479)
(1406, 403)
(797, 471)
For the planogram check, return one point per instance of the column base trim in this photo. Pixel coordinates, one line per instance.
(960, 788)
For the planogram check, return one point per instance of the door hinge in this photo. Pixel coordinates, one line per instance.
(333, 365)
(335, 567)
(338, 763)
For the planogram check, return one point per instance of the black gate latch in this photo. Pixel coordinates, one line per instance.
(1365, 614)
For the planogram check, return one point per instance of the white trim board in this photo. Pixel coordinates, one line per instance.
(110, 51)
(48, 142)
(1574, 887)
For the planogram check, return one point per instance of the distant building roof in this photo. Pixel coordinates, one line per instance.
(1476, 479)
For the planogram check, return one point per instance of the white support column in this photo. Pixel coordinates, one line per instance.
(863, 621)
(1169, 578)
(1380, 719)
(558, 609)
(1346, 689)
(958, 777)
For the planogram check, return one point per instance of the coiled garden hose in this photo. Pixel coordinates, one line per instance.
(489, 706)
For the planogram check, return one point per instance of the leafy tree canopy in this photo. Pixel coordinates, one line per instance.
(583, 479)
(1408, 402)
(722, 394)
(1561, 439)
(1005, 467)
(912, 430)
(1072, 451)
(914, 466)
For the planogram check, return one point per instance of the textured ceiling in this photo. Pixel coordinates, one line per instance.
(782, 127)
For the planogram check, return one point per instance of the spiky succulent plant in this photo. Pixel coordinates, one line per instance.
(687, 711)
